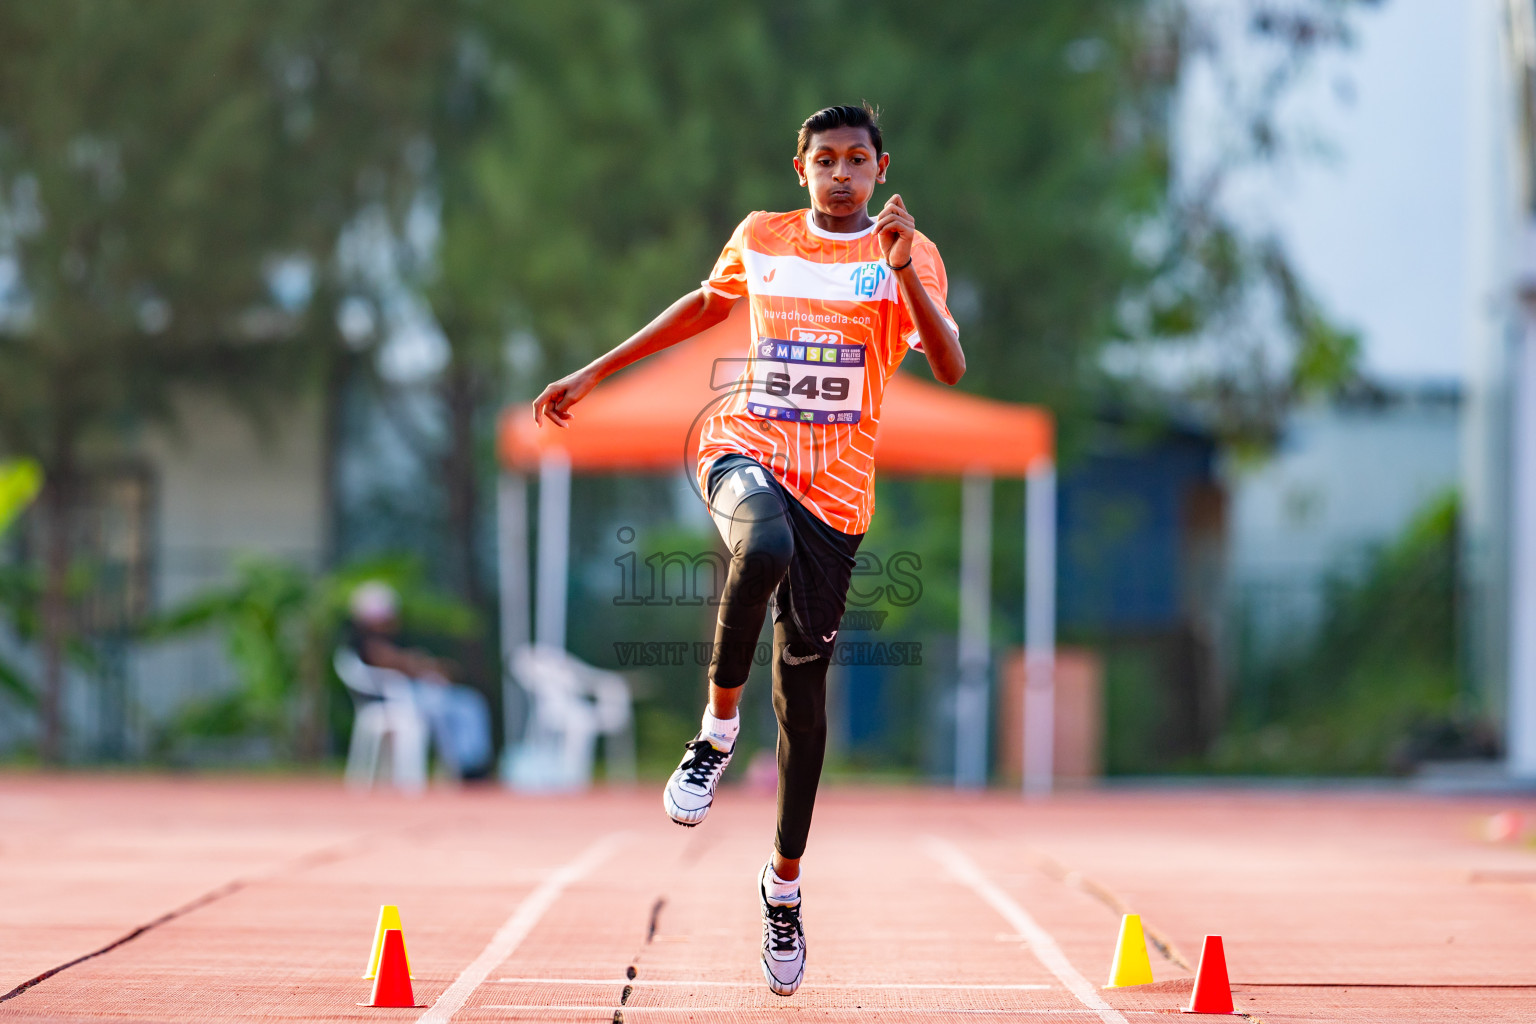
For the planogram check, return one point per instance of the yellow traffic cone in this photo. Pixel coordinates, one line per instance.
(1131, 966)
(389, 919)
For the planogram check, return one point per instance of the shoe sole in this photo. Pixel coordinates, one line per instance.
(672, 814)
(777, 987)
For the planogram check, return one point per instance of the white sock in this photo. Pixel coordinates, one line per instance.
(777, 888)
(721, 732)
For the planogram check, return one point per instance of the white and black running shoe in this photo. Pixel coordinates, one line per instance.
(691, 789)
(783, 940)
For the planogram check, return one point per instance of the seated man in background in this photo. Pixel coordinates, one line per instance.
(457, 715)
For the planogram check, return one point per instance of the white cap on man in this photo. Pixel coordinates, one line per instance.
(374, 601)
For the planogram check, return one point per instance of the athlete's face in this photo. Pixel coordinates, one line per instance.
(841, 171)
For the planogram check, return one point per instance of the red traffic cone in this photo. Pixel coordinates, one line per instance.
(1213, 993)
(392, 986)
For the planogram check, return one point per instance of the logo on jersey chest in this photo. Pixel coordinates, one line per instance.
(866, 278)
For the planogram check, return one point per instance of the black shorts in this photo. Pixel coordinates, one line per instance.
(814, 591)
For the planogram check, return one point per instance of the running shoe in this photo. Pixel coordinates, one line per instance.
(691, 789)
(783, 940)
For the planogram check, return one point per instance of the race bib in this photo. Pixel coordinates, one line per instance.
(813, 379)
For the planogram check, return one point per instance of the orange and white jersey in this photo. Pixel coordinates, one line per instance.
(829, 327)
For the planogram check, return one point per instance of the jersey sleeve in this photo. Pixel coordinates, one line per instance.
(729, 277)
(930, 271)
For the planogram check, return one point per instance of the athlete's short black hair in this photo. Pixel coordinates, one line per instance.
(861, 116)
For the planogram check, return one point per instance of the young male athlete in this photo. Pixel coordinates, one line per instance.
(786, 461)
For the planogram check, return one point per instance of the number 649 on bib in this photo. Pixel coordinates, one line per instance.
(807, 383)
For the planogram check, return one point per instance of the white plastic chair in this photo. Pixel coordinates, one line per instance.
(386, 714)
(572, 704)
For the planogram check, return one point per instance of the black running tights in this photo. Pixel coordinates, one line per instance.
(761, 543)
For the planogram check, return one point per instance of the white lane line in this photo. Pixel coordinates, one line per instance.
(885, 1011)
(640, 983)
(1040, 942)
(517, 927)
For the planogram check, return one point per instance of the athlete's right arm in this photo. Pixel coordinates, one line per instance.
(693, 313)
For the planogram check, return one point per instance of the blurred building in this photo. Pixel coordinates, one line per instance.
(164, 516)
(1142, 528)
(1345, 480)
(1412, 227)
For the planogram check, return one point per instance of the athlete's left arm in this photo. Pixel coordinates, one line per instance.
(897, 230)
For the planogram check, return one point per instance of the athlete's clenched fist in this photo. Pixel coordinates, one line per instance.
(895, 228)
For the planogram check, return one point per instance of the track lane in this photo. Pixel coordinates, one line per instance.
(1312, 887)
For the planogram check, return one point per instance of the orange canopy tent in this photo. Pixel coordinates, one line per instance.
(647, 419)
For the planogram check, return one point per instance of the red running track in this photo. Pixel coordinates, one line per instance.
(257, 899)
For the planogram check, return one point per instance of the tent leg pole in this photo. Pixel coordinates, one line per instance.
(512, 578)
(554, 548)
(1039, 628)
(974, 640)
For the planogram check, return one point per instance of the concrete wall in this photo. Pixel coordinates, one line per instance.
(224, 490)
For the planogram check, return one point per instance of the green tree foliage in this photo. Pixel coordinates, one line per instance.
(162, 168)
(624, 140)
(20, 481)
(632, 137)
(174, 179)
